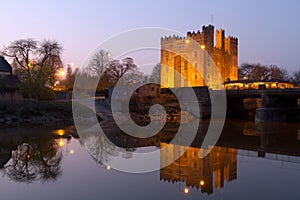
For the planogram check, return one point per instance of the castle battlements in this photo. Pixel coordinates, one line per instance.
(193, 34)
(172, 39)
(233, 39)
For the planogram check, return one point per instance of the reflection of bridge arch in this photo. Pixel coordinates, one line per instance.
(271, 156)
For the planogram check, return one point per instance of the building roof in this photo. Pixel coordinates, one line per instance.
(4, 65)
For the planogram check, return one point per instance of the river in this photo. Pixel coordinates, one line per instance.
(249, 161)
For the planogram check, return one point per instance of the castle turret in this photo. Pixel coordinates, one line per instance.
(220, 36)
(194, 69)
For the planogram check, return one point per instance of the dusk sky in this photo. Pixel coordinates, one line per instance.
(268, 31)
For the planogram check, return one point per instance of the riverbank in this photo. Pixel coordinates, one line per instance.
(36, 112)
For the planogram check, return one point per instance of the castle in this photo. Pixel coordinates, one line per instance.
(207, 173)
(195, 63)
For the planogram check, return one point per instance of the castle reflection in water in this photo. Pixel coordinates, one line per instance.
(206, 173)
(36, 155)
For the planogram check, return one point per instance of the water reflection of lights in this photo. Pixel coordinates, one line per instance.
(103, 166)
(186, 190)
(62, 144)
(60, 132)
(202, 182)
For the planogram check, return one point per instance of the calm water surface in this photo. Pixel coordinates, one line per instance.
(250, 161)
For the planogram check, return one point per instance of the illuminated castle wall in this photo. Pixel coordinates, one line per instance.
(175, 51)
(203, 173)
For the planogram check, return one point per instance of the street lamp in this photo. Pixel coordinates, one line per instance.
(61, 72)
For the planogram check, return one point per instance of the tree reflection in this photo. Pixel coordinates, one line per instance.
(35, 159)
(103, 147)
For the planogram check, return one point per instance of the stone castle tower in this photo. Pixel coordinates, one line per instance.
(212, 171)
(191, 61)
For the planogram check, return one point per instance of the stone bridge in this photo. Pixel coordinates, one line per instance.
(276, 104)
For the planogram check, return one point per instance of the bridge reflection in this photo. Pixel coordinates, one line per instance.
(267, 137)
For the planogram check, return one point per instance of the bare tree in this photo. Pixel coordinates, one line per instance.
(99, 63)
(106, 71)
(259, 72)
(49, 61)
(278, 73)
(245, 70)
(135, 76)
(116, 69)
(296, 77)
(23, 54)
(35, 63)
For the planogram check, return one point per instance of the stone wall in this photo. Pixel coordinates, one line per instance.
(11, 97)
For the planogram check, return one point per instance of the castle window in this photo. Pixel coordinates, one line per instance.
(209, 63)
(185, 65)
(196, 77)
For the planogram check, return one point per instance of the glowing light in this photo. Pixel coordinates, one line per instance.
(72, 151)
(61, 72)
(202, 46)
(245, 77)
(202, 183)
(186, 190)
(108, 167)
(60, 132)
(187, 41)
(61, 143)
(72, 64)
